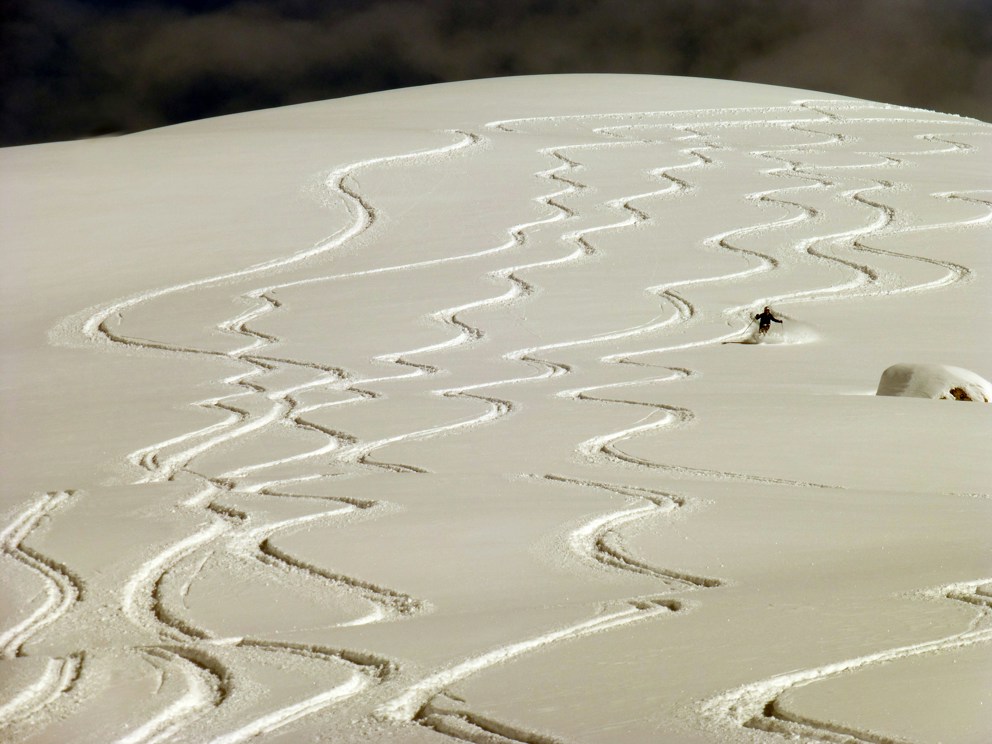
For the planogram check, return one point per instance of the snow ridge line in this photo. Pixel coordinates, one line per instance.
(760, 115)
(62, 587)
(756, 705)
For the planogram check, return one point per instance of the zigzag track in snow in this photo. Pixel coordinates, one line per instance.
(598, 540)
(58, 678)
(420, 703)
(211, 684)
(411, 705)
(252, 407)
(234, 534)
(359, 452)
(454, 720)
(468, 334)
(755, 706)
(866, 275)
(605, 447)
(465, 724)
(96, 326)
(208, 685)
(62, 587)
(368, 670)
(585, 248)
(142, 600)
(518, 289)
(763, 713)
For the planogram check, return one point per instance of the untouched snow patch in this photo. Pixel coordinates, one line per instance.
(937, 381)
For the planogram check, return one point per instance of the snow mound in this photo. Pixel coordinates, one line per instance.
(937, 381)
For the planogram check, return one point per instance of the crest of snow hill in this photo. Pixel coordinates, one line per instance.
(936, 381)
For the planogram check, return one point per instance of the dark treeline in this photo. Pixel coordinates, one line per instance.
(72, 68)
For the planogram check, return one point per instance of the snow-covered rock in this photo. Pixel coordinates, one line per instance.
(934, 381)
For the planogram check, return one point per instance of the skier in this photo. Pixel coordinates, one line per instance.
(765, 319)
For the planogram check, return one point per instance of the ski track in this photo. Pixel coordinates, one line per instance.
(252, 407)
(141, 598)
(755, 706)
(62, 587)
(58, 679)
(589, 540)
(598, 541)
(409, 706)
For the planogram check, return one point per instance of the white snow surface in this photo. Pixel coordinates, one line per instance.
(436, 415)
(934, 381)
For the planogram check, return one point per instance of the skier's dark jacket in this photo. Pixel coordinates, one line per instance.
(765, 319)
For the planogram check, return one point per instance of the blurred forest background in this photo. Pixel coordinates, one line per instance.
(77, 68)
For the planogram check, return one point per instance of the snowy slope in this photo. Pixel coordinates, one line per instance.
(433, 414)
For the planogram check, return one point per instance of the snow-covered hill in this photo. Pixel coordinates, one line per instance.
(421, 416)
